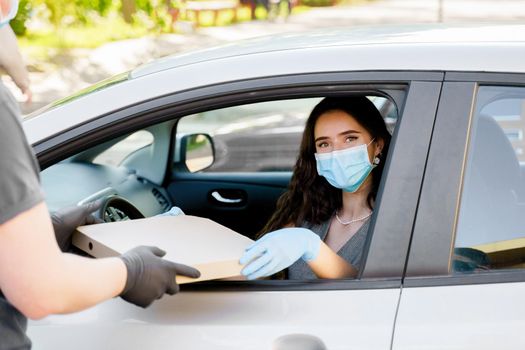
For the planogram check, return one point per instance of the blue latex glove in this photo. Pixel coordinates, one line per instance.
(279, 249)
(174, 211)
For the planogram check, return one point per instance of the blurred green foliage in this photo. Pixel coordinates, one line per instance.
(62, 13)
(318, 2)
(83, 7)
(19, 22)
(66, 24)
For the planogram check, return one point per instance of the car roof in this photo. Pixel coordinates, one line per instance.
(414, 39)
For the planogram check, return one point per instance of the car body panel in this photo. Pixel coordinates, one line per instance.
(476, 316)
(227, 320)
(461, 311)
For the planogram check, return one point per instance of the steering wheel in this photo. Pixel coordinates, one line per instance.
(115, 208)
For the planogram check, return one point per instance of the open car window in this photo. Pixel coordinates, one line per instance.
(255, 147)
(229, 164)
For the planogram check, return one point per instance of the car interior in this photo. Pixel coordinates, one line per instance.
(229, 165)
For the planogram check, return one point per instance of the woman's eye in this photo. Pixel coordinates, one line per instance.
(322, 145)
(350, 139)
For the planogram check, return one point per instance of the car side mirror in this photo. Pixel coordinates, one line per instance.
(197, 151)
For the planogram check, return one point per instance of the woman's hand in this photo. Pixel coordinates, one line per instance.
(278, 250)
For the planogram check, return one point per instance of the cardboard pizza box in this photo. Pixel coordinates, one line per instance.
(213, 249)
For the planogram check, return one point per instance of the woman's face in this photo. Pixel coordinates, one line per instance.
(337, 130)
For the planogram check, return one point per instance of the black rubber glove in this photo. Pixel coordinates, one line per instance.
(67, 219)
(150, 276)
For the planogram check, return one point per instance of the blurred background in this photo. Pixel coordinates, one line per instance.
(68, 45)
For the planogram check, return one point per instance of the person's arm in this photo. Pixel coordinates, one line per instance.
(40, 280)
(330, 265)
(11, 60)
(279, 249)
(35, 276)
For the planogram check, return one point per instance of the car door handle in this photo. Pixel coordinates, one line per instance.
(298, 342)
(219, 198)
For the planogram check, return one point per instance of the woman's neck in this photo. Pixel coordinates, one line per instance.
(356, 204)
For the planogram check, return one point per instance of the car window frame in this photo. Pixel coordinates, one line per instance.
(430, 257)
(378, 271)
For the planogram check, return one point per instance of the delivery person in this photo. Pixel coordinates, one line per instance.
(38, 279)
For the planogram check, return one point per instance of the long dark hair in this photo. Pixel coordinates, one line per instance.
(310, 198)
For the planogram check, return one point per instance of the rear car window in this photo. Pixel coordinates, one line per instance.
(491, 224)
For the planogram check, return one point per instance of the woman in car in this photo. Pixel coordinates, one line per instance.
(321, 223)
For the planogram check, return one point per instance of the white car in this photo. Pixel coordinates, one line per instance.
(215, 133)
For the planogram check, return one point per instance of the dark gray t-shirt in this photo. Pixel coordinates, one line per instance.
(351, 251)
(19, 191)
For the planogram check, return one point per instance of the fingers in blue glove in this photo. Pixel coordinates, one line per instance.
(278, 250)
(273, 266)
(257, 264)
(253, 251)
(174, 211)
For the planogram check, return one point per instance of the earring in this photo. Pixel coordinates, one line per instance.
(377, 161)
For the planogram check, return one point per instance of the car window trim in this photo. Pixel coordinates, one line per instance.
(484, 78)
(434, 228)
(495, 276)
(404, 169)
(290, 285)
(270, 178)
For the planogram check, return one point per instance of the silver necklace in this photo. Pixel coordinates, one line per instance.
(345, 223)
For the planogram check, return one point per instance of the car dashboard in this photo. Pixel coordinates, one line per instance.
(73, 182)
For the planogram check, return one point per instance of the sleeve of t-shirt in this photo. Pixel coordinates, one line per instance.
(19, 171)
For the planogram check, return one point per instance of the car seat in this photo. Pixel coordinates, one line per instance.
(490, 205)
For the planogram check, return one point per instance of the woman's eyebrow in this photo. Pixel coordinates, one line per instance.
(348, 132)
(320, 138)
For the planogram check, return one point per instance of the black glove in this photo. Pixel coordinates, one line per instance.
(67, 219)
(150, 276)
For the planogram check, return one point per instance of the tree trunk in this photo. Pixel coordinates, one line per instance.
(128, 9)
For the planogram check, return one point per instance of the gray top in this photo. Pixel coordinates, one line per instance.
(19, 191)
(351, 251)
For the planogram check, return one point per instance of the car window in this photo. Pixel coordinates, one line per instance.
(260, 136)
(491, 226)
(122, 149)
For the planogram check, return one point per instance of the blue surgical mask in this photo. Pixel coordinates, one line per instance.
(346, 169)
(9, 12)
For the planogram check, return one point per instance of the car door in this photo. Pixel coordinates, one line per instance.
(266, 314)
(465, 277)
